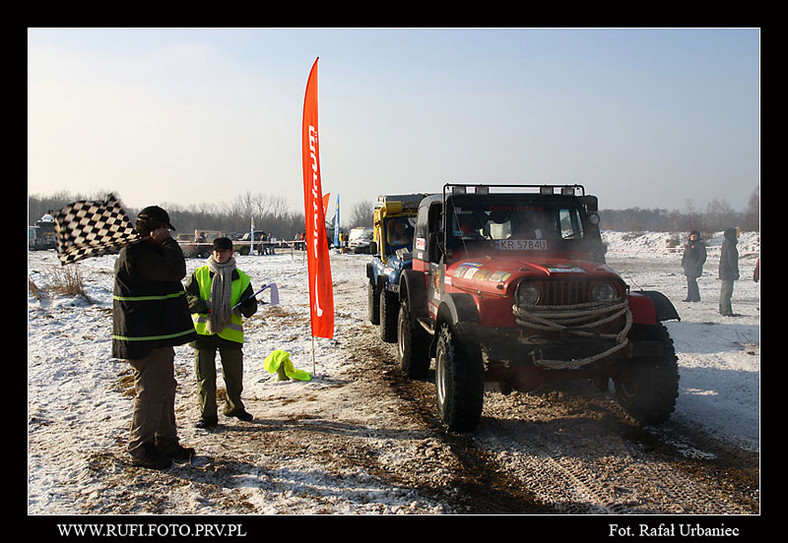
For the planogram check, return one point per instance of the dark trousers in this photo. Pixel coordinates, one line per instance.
(153, 417)
(726, 293)
(205, 371)
(693, 292)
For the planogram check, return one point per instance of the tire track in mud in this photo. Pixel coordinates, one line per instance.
(449, 467)
(574, 452)
(553, 477)
(581, 455)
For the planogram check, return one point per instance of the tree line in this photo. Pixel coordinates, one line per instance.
(717, 216)
(272, 215)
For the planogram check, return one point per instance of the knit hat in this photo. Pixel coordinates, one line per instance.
(155, 215)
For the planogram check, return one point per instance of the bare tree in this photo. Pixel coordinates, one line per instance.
(361, 214)
(752, 214)
(720, 215)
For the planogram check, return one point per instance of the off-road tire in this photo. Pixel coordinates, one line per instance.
(459, 381)
(373, 304)
(389, 312)
(647, 388)
(413, 344)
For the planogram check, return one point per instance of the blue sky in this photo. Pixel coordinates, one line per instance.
(653, 118)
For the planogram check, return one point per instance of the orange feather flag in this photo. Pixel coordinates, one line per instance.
(321, 295)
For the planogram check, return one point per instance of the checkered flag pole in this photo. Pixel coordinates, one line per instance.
(92, 228)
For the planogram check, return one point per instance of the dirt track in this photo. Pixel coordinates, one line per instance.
(368, 441)
(567, 450)
(563, 451)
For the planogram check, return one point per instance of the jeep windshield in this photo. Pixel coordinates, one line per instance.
(514, 223)
(398, 235)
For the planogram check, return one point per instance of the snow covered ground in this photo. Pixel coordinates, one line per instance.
(77, 393)
(719, 357)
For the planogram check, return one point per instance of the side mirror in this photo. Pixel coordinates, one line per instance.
(373, 248)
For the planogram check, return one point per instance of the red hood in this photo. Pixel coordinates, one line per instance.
(496, 274)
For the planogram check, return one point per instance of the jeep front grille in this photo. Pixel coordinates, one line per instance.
(570, 291)
(566, 308)
(571, 310)
(563, 292)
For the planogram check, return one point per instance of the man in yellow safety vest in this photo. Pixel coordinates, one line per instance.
(213, 291)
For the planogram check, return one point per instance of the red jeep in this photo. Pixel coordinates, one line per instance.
(509, 284)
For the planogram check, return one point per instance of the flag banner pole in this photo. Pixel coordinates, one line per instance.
(321, 295)
(337, 241)
(251, 233)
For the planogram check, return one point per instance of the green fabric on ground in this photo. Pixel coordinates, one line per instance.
(281, 359)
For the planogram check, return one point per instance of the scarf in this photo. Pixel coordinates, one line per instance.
(219, 302)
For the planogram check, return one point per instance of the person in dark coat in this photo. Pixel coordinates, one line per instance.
(692, 262)
(150, 317)
(728, 270)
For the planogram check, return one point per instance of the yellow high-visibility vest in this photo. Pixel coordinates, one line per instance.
(233, 331)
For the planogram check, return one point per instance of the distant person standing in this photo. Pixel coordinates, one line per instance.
(150, 316)
(692, 262)
(213, 292)
(728, 271)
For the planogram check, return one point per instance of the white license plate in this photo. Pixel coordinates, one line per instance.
(521, 245)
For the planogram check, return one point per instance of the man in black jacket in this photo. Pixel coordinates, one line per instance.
(150, 317)
(692, 262)
(728, 270)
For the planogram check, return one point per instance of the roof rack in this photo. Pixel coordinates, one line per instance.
(465, 188)
(407, 200)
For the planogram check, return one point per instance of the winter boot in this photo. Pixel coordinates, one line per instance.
(171, 448)
(152, 458)
(243, 414)
(207, 423)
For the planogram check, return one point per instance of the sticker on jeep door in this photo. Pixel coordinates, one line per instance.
(521, 245)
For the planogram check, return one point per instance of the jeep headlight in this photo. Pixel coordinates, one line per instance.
(527, 294)
(604, 292)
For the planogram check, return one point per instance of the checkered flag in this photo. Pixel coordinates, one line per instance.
(87, 228)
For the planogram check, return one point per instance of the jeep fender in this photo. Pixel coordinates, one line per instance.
(460, 313)
(650, 306)
(456, 309)
(413, 288)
